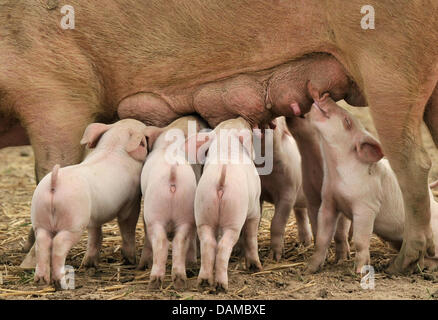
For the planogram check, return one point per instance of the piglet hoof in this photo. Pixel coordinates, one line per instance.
(276, 254)
(221, 287)
(145, 263)
(128, 259)
(41, 280)
(312, 268)
(179, 282)
(254, 266)
(90, 262)
(359, 270)
(57, 284)
(155, 283)
(359, 266)
(341, 257)
(204, 284)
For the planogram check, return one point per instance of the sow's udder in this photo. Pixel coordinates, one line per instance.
(259, 97)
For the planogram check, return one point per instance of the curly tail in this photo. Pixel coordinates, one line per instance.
(172, 178)
(433, 184)
(54, 178)
(221, 183)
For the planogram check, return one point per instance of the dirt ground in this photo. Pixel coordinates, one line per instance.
(284, 280)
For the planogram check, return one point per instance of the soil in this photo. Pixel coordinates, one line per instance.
(112, 280)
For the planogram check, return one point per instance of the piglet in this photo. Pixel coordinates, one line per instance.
(104, 186)
(168, 184)
(357, 182)
(283, 187)
(227, 200)
(307, 140)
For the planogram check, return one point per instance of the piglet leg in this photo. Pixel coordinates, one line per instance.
(224, 248)
(160, 247)
(363, 224)
(304, 233)
(91, 259)
(249, 232)
(327, 218)
(312, 211)
(341, 239)
(146, 253)
(192, 252)
(278, 224)
(208, 246)
(62, 243)
(180, 246)
(43, 248)
(127, 230)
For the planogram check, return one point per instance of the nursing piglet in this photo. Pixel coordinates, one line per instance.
(104, 186)
(227, 201)
(357, 182)
(307, 140)
(283, 187)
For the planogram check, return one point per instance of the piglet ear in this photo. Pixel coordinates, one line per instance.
(93, 133)
(368, 149)
(152, 133)
(136, 146)
(198, 144)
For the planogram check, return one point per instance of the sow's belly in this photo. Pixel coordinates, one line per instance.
(258, 97)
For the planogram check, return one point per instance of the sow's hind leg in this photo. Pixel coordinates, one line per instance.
(402, 143)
